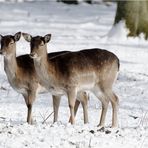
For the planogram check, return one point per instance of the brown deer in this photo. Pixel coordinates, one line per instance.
(91, 69)
(22, 76)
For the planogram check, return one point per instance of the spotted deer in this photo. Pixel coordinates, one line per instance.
(91, 69)
(22, 76)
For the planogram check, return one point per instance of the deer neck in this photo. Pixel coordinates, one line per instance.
(44, 68)
(10, 65)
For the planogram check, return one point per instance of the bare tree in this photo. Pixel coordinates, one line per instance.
(135, 14)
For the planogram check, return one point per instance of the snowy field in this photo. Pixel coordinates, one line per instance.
(74, 28)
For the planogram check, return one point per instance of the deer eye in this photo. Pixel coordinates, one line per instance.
(41, 44)
(11, 43)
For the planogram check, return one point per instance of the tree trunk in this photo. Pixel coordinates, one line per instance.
(135, 14)
(68, 1)
(88, 1)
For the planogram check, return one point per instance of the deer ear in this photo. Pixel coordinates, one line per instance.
(27, 37)
(17, 36)
(47, 38)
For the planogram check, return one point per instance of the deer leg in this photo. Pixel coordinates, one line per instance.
(29, 101)
(101, 95)
(114, 102)
(56, 104)
(77, 103)
(103, 113)
(29, 116)
(71, 101)
(84, 103)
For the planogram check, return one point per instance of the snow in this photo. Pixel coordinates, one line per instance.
(74, 28)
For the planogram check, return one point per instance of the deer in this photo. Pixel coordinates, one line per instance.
(23, 78)
(93, 70)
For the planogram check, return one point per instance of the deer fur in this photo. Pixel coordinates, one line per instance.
(22, 76)
(91, 69)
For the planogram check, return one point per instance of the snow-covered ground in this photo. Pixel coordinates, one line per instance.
(74, 28)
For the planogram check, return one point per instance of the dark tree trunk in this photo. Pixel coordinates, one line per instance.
(135, 14)
(69, 1)
(88, 1)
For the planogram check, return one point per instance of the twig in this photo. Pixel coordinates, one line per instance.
(135, 117)
(3, 88)
(41, 116)
(89, 143)
(45, 119)
(3, 118)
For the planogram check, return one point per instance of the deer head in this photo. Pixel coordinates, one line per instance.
(38, 44)
(8, 43)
